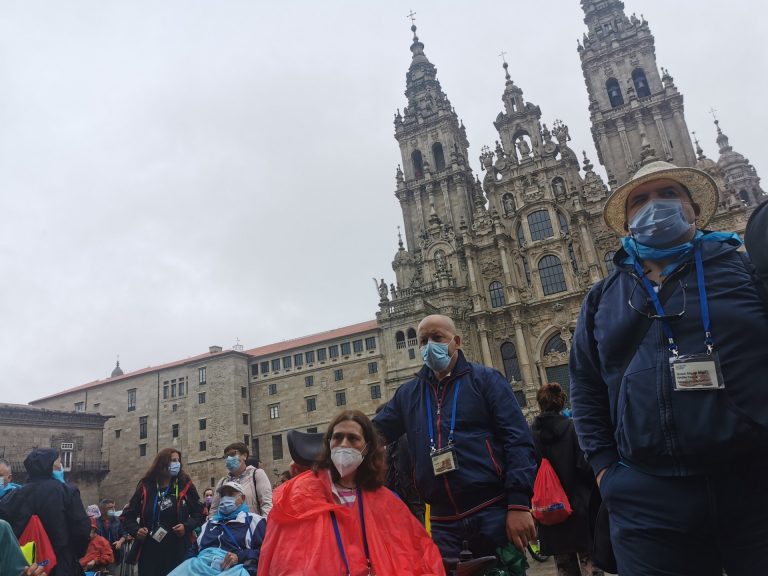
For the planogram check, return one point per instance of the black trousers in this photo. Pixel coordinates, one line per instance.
(160, 558)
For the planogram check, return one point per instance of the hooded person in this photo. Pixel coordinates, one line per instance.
(756, 240)
(338, 518)
(56, 504)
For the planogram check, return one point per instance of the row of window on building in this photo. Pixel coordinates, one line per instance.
(338, 376)
(311, 401)
(311, 356)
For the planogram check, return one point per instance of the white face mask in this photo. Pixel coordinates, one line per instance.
(346, 460)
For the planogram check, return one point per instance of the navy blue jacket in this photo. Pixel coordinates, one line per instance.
(494, 448)
(637, 416)
(248, 531)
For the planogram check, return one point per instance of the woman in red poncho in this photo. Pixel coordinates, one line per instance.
(338, 519)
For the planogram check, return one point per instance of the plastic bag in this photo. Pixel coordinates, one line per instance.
(512, 562)
(550, 503)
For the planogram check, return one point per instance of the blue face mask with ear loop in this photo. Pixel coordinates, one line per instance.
(174, 468)
(436, 356)
(58, 475)
(232, 463)
(659, 223)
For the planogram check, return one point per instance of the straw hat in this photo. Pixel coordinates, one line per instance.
(700, 184)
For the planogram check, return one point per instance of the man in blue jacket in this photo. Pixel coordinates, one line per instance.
(473, 454)
(669, 384)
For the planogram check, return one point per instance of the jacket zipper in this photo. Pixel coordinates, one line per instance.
(439, 402)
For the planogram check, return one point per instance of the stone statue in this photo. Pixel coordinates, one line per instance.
(392, 291)
(524, 149)
(381, 288)
(509, 204)
(440, 261)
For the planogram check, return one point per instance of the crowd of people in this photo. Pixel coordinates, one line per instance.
(659, 472)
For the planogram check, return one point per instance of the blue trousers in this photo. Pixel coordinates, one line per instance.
(688, 526)
(484, 531)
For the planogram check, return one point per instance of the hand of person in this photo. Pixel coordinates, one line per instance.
(34, 570)
(520, 528)
(229, 560)
(118, 544)
(142, 533)
(179, 529)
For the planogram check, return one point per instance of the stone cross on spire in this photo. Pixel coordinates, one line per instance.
(412, 16)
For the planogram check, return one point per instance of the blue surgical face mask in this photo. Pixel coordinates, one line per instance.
(227, 505)
(2, 482)
(436, 356)
(232, 462)
(58, 475)
(112, 513)
(659, 223)
(174, 468)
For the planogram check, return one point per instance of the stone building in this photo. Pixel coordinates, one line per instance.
(202, 404)
(509, 257)
(75, 434)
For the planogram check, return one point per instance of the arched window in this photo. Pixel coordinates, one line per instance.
(641, 83)
(411, 337)
(614, 92)
(563, 223)
(539, 225)
(418, 164)
(552, 277)
(399, 339)
(608, 259)
(558, 187)
(555, 344)
(437, 154)
(520, 236)
(497, 294)
(511, 362)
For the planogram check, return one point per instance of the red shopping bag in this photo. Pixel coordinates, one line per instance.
(550, 503)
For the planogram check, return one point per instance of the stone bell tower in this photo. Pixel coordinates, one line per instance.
(434, 183)
(631, 104)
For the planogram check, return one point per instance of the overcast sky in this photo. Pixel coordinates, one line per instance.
(177, 174)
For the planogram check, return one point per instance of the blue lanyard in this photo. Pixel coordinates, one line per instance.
(703, 302)
(155, 514)
(453, 416)
(365, 538)
(232, 536)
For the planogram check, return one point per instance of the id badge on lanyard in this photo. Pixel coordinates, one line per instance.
(696, 372)
(443, 459)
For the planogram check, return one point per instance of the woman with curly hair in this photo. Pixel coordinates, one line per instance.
(338, 518)
(162, 515)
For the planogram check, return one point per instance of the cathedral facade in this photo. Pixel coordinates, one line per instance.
(510, 256)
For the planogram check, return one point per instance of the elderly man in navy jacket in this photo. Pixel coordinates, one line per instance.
(472, 449)
(669, 384)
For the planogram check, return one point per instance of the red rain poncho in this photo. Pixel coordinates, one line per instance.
(300, 537)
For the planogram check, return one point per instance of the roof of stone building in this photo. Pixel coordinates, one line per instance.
(147, 370)
(313, 339)
(260, 351)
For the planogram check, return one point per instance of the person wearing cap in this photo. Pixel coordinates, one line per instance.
(230, 540)
(669, 384)
(255, 482)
